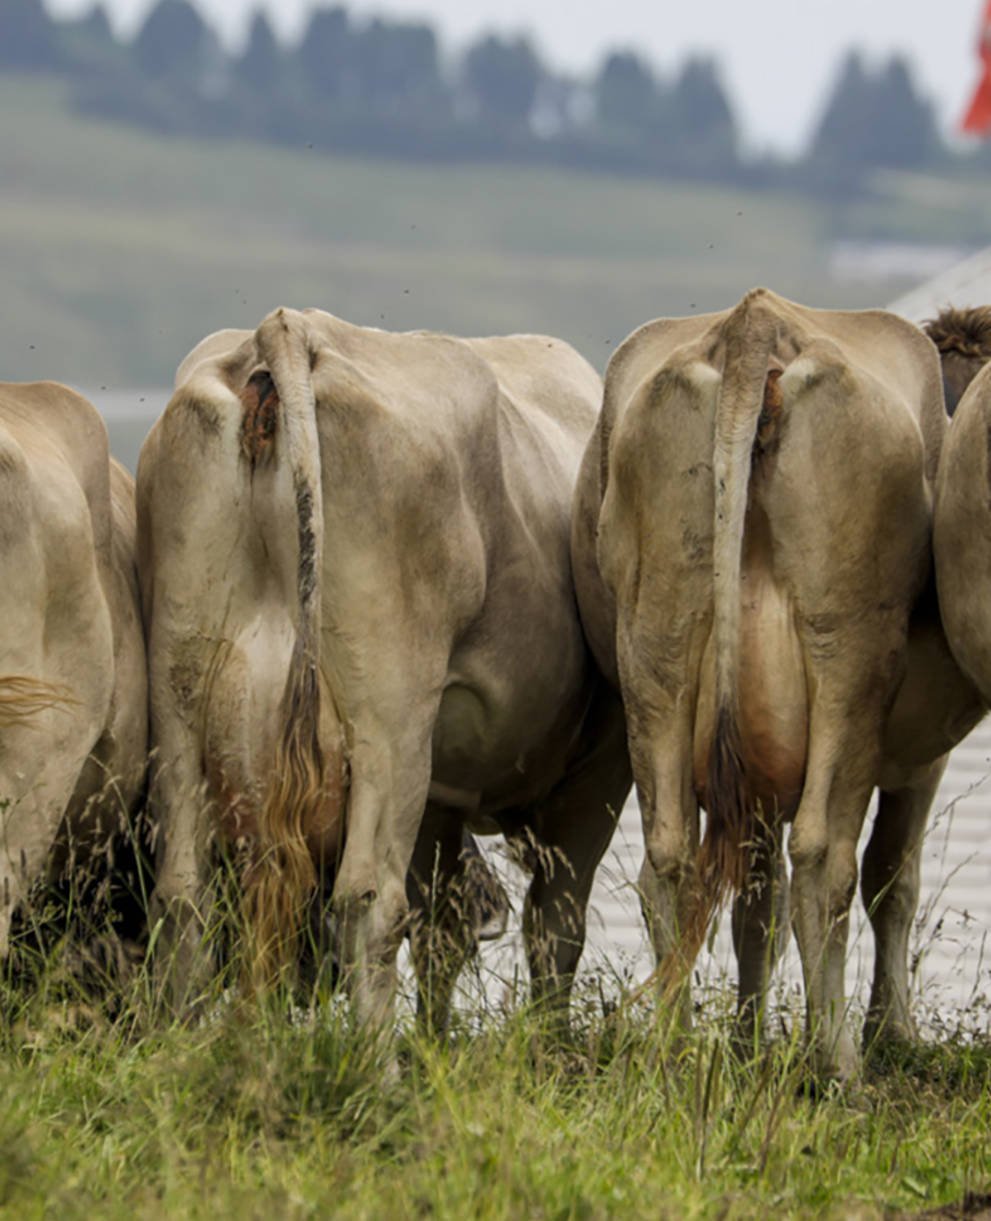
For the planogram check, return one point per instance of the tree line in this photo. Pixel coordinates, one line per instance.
(382, 87)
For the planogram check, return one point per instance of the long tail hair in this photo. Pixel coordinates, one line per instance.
(748, 402)
(22, 698)
(281, 877)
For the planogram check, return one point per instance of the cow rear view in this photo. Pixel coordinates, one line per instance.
(363, 639)
(250, 748)
(760, 486)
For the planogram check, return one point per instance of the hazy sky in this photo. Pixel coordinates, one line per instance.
(778, 56)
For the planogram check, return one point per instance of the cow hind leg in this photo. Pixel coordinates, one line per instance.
(890, 891)
(369, 898)
(668, 878)
(760, 929)
(442, 926)
(823, 851)
(573, 827)
(182, 916)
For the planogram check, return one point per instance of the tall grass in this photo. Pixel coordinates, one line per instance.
(281, 1109)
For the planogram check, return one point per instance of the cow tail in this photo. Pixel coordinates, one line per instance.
(281, 878)
(23, 699)
(724, 855)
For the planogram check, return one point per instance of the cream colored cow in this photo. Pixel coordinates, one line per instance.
(751, 532)
(73, 689)
(363, 636)
(962, 519)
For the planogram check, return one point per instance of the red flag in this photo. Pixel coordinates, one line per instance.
(978, 117)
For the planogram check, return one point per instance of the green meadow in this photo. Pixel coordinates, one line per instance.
(252, 1114)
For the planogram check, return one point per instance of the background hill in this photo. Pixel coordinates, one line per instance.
(122, 247)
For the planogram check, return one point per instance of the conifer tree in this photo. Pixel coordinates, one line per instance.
(501, 77)
(27, 36)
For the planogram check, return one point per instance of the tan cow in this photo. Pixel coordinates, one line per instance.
(963, 337)
(363, 635)
(962, 517)
(936, 706)
(751, 532)
(73, 689)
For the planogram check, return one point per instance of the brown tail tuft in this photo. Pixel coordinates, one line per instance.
(724, 856)
(281, 879)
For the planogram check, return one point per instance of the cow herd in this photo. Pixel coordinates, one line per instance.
(379, 592)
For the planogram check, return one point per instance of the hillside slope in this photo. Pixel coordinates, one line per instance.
(121, 249)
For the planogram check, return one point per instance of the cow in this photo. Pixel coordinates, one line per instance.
(963, 339)
(363, 637)
(962, 516)
(73, 686)
(751, 552)
(938, 703)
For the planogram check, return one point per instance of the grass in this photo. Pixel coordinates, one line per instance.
(107, 1110)
(283, 1109)
(122, 248)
